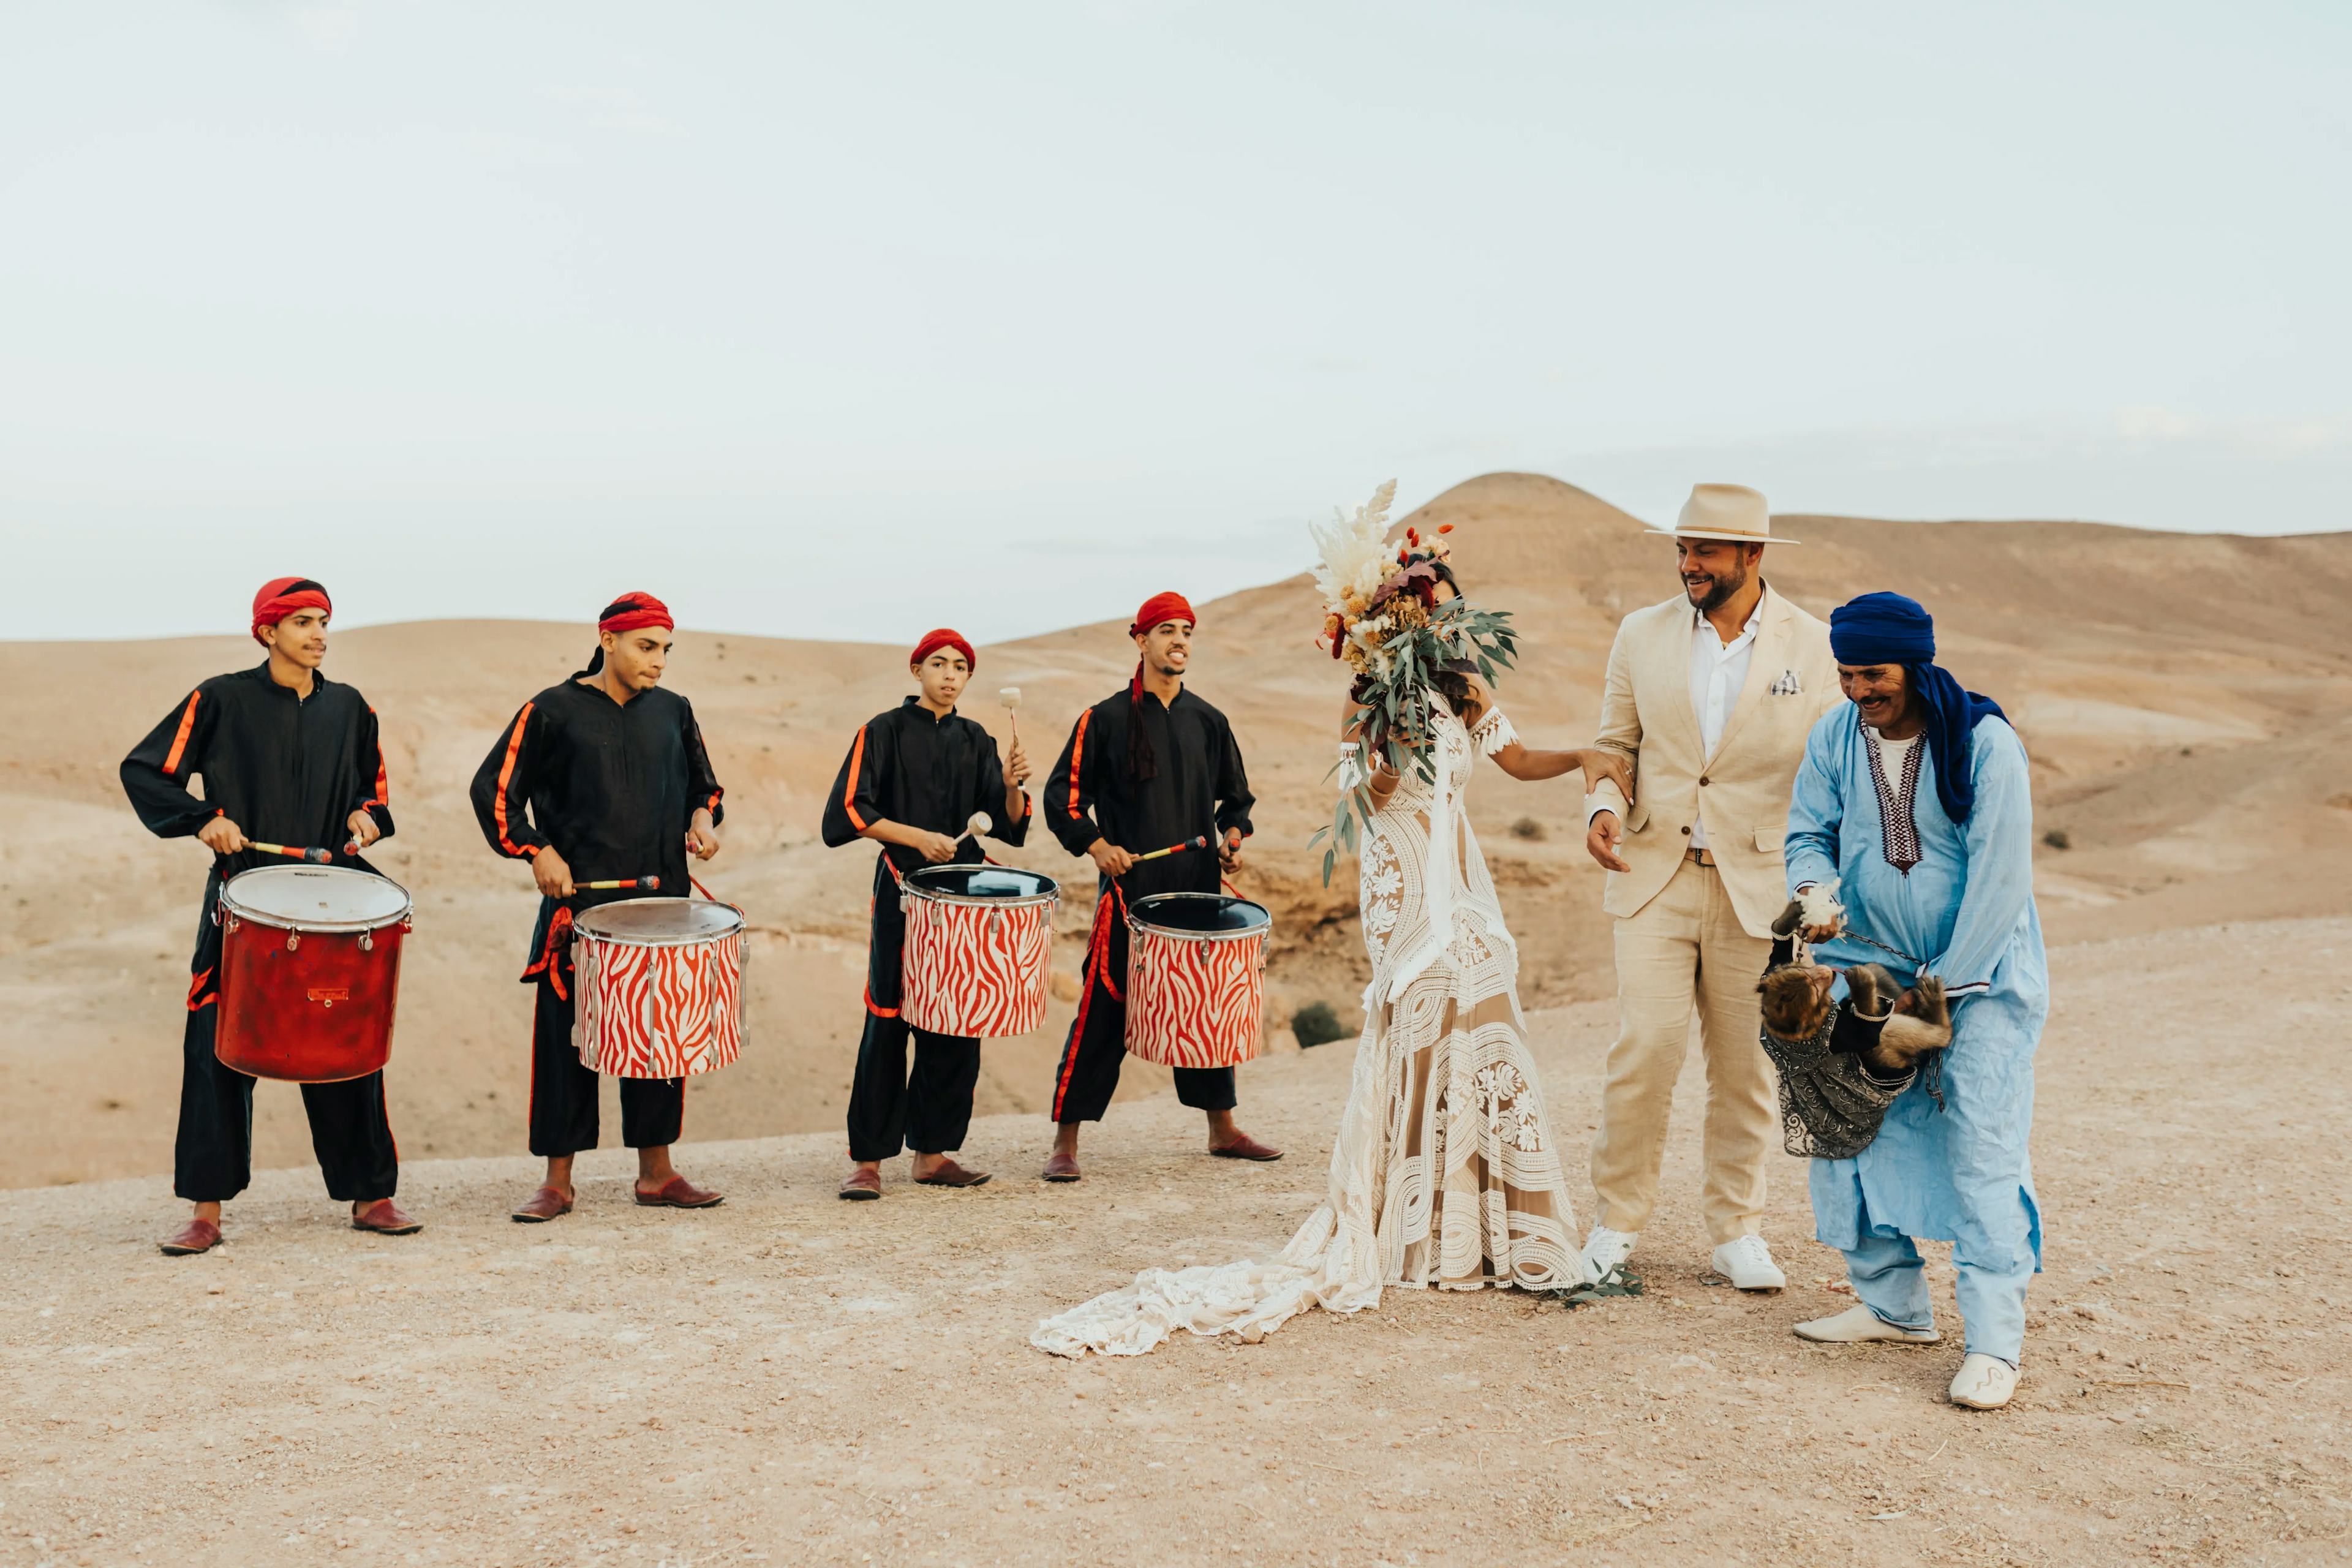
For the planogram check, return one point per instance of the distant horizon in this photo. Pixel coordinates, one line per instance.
(239, 633)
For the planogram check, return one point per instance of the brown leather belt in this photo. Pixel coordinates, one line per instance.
(1704, 856)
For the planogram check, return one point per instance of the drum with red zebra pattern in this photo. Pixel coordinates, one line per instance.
(1195, 979)
(977, 957)
(658, 987)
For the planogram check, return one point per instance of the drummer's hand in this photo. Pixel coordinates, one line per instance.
(1228, 853)
(1016, 766)
(702, 837)
(937, 848)
(549, 870)
(363, 829)
(1109, 858)
(221, 835)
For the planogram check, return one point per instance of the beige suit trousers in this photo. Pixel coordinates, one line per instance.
(1686, 948)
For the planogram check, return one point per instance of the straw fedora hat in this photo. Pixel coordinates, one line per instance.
(1731, 512)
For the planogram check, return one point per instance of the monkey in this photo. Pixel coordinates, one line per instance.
(1889, 1027)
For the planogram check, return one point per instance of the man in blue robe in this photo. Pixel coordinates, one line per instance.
(1915, 803)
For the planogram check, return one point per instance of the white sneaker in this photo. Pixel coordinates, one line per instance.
(1605, 1248)
(1859, 1325)
(1747, 1263)
(1985, 1382)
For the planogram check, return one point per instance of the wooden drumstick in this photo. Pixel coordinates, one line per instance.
(1009, 698)
(650, 884)
(977, 824)
(316, 857)
(1200, 842)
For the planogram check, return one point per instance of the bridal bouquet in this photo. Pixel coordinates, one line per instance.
(1381, 615)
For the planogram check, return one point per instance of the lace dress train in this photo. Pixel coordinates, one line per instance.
(1445, 1173)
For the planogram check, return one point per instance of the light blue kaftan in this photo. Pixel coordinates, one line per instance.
(1959, 897)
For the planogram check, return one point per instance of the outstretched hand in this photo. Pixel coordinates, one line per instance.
(1602, 839)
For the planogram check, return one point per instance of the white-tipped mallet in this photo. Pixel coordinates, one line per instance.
(977, 824)
(1009, 699)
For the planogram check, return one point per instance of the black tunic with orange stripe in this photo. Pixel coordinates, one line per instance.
(287, 769)
(925, 771)
(1199, 788)
(611, 786)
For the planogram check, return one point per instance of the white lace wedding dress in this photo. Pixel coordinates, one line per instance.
(1446, 1172)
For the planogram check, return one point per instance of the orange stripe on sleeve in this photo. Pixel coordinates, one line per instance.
(383, 786)
(506, 774)
(1077, 755)
(849, 790)
(180, 741)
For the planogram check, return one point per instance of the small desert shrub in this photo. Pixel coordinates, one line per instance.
(1527, 827)
(2056, 838)
(1317, 1024)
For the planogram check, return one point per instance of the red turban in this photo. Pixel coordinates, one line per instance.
(1162, 607)
(282, 596)
(631, 612)
(944, 638)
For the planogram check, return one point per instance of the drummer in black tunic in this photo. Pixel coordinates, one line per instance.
(287, 757)
(1148, 768)
(601, 778)
(914, 779)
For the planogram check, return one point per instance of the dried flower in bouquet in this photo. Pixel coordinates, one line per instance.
(1382, 617)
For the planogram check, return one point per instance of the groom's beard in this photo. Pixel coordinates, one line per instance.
(1714, 598)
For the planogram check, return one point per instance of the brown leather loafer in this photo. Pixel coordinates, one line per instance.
(544, 1205)
(862, 1187)
(1060, 1168)
(1246, 1148)
(679, 1193)
(950, 1174)
(199, 1235)
(383, 1217)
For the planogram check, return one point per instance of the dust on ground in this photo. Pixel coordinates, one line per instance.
(791, 1379)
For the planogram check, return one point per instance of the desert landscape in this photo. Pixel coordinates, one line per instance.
(791, 1379)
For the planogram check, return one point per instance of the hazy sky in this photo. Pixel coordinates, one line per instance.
(847, 319)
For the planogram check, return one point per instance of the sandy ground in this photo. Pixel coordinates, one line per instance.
(2186, 701)
(790, 1379)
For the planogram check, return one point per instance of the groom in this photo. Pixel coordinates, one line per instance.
(1710, 696)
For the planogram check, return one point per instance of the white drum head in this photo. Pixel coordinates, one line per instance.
(315, 898)
(661, 922)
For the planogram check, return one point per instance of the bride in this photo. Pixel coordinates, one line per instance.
(1446, 1172)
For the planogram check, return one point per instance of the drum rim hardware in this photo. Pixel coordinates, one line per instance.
(684, 939)
(237, 910)
(913, 884)
(1136, 921)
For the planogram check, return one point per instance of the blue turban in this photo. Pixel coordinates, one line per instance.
(1888, 628)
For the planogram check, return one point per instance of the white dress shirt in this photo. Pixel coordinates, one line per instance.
(1718, 671)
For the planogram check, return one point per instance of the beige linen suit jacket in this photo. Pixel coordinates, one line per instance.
(1646, 717)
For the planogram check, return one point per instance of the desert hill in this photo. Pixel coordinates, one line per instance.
(2185, 699)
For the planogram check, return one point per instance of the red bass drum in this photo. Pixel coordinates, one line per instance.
(310, 970)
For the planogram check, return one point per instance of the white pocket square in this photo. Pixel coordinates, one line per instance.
(1788, 685)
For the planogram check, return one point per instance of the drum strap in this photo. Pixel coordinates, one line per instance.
(556, 956)
(1099, 948)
